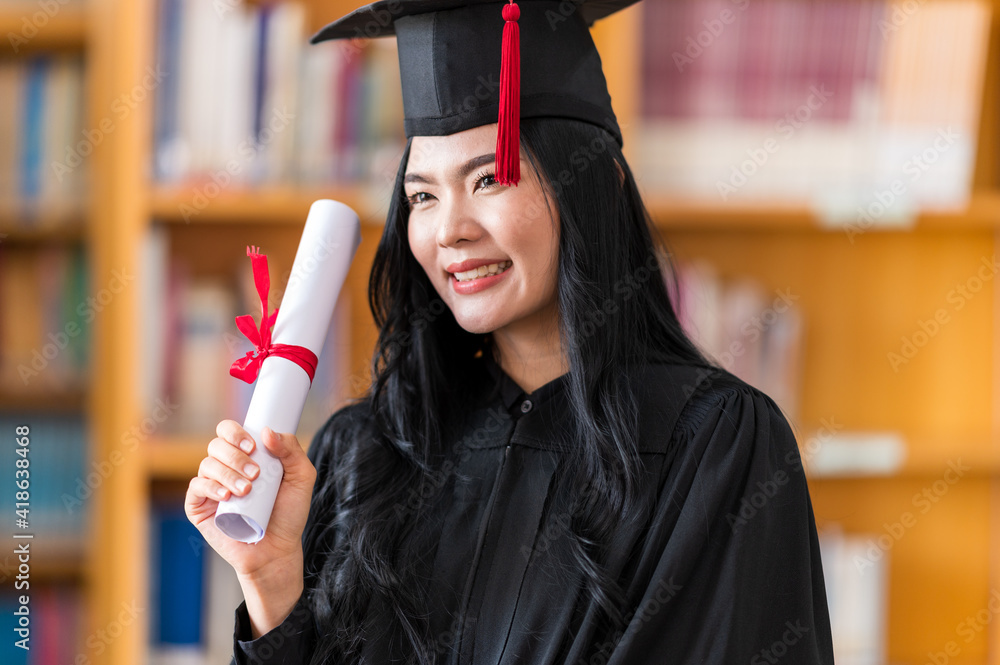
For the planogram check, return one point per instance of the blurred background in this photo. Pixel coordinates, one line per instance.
(826, 174)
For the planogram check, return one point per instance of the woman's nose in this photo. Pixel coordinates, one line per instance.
(457, 222)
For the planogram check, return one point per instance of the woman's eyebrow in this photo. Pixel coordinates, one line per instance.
(460, 174)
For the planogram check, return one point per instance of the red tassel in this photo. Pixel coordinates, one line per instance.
(508, 158)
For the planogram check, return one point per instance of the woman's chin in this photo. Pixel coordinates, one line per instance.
(476, 325)
(479, 330)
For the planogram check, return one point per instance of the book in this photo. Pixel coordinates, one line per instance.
(856, 573)
(272, 109)
(46, 314)
(221, 598)
(208, 312)
(44, 167)
(177, 582)
(11, 86)
(55, 624)
(754, 334)
(61, 480)
(838, 106)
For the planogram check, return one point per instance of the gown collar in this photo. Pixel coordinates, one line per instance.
(512, 395)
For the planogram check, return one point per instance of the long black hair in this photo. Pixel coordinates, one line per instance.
(615, 315)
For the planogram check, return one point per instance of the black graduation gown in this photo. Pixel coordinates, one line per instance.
(726, 569)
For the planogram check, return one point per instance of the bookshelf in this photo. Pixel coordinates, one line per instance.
(273, 206)
(58, 562)
(859, 299)
(982, 213)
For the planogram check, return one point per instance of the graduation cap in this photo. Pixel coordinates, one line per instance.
(460, 64)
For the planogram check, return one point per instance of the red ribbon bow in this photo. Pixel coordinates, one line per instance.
(247, 368)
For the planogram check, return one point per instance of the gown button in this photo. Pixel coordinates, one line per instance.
(526, 406)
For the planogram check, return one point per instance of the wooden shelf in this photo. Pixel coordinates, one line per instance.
(56, 400)
(983, 212)
(65, 29)
(174, 458)
(22, 234)
(284, 205)
(56, 558)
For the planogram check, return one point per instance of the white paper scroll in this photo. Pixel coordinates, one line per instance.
(329, 240)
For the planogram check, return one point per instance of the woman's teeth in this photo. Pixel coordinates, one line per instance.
(482, 271)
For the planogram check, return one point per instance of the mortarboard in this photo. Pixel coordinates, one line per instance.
(459, 58)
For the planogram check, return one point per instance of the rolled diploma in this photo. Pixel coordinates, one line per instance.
(329, 240)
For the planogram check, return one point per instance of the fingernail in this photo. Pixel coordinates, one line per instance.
(246, 446)
(242, 485)
(250, 470)
(221, 492)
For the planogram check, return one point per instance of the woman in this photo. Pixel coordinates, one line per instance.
(545, 469)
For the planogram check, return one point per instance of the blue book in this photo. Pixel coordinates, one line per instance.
(10, 653)
(60, 487)
(33, 124)
(178, 578)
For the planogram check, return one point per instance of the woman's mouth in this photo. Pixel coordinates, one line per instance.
(479, 279)
(482, 271)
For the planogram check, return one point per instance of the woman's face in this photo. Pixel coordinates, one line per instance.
(490, 250)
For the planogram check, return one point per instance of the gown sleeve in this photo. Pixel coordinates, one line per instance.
(730, 571)
(289, 643)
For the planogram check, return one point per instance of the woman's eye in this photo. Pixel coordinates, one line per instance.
(418, 198)
(485, 180)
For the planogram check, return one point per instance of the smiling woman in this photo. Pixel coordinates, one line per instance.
(545, 468)
(490, 251)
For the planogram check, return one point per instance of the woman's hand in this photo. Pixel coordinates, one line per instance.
(270, 571)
